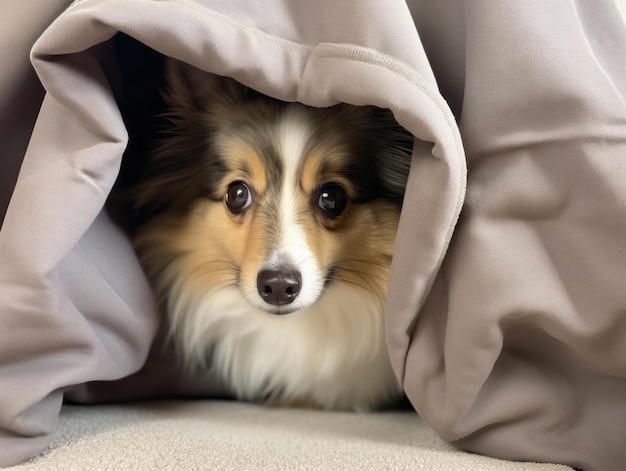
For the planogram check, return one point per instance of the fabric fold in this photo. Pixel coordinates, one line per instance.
(72, 292)
(516, 352)
(505, 315)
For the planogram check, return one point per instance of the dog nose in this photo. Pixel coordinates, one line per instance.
(280, 286)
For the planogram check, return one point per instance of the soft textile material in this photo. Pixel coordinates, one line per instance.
(506, 318)
(233, 436)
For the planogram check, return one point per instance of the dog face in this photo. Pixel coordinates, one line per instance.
(262, 208)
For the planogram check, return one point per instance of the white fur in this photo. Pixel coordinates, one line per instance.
(332, 353)
(292, 134)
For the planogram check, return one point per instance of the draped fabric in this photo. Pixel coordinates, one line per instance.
(506, 316)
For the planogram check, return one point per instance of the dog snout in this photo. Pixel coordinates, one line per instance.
(279, 286)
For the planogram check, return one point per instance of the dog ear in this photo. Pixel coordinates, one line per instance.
(177, 168)
(390, 146)
(394, 154)
(193, 88)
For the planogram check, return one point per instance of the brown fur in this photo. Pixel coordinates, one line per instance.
(222, 133)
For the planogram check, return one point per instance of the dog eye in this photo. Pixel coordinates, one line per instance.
(332, 199)
(238, 197)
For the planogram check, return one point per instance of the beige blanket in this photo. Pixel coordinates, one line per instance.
(506, 318)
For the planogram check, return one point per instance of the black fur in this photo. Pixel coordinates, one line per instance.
(183, 166)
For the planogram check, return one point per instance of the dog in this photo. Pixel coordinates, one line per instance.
(269, 239)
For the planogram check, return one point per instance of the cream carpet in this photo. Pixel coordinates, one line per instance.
(206, 435)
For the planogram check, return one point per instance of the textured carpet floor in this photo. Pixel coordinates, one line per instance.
(204, 435)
